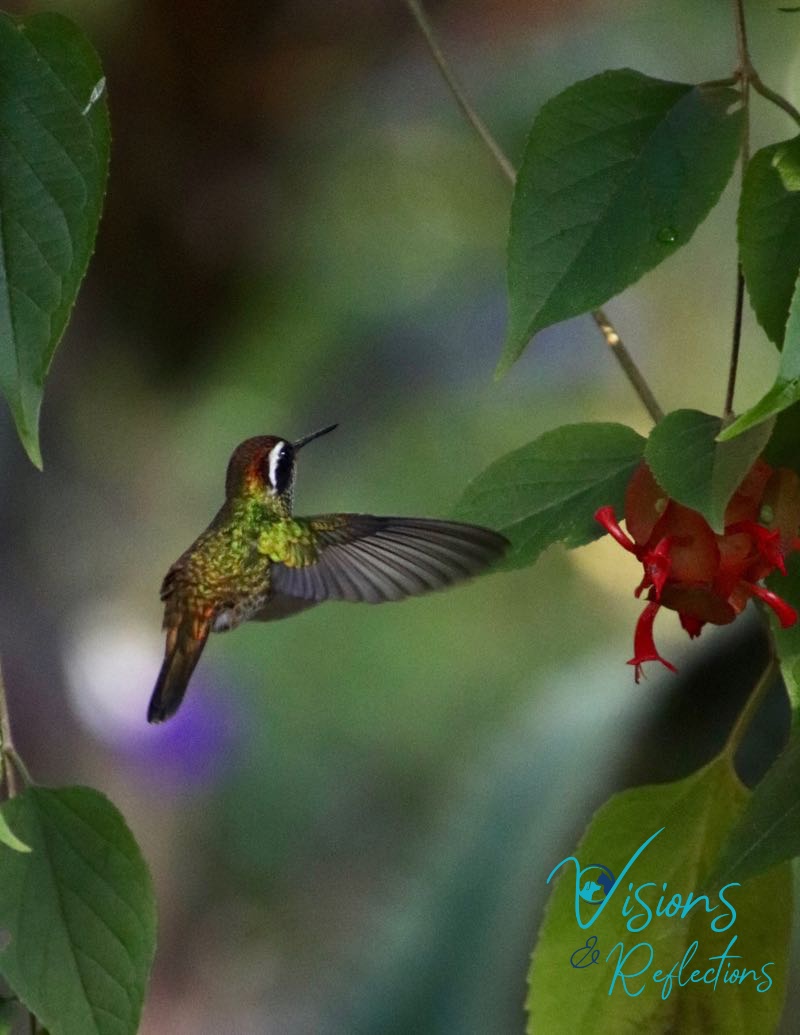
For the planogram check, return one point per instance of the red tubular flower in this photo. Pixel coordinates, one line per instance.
(690, 569)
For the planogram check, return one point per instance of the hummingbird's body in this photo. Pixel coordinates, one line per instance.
(257, 561)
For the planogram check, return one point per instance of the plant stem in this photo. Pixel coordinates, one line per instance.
(752, 705)
(7, 772)
(727, 411)
(632, 372)
(11, 764)
(612, 338)
(474, 119)
(771, 95)
(744, 74)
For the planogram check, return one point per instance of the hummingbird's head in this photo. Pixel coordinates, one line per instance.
(265, 465)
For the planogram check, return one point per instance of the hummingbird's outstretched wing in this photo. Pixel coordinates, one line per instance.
(359, 557)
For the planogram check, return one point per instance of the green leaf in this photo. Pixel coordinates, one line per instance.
(547, 491)
(787, 641)
(783, 448)
(694, 469)
(619, 171)
(694, 817)
(786, 390)
(768, 830)
(55, 139)
(80, 913)
(9, 838)
(769, 233)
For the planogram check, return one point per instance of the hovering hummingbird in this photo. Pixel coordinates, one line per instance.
(257, 561)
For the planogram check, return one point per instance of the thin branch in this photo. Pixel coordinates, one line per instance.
(16, 759)
(760, 87)
(745, 75)
(632, 372)
(745, 68)
(6, 744)
(736, 342)
(474, 119)
(747, 714)
(612, 338)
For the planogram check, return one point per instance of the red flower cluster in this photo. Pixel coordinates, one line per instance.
(703, 576)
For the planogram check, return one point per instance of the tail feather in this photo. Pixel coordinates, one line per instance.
(182, 654)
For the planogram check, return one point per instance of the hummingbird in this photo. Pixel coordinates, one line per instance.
(257, 561)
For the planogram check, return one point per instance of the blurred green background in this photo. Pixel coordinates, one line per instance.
(351, 821)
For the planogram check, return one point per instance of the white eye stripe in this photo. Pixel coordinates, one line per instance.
(279, 466)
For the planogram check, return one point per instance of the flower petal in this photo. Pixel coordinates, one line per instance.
(644, 648)
(608, 519)
(645, 504)
(693, 625)
(786, 614)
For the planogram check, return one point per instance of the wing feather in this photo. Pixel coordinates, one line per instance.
(359, 557)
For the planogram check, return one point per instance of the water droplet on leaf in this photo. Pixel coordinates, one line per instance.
(97, 92)
(667, 235)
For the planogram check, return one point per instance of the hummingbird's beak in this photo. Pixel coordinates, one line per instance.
(310, 438)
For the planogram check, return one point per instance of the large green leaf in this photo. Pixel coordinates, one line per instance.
(768, 831)
(618, 172)
(80, 913)
(769, 233)
(786, 390)
(697, 471)
(548, 491)
(693, 816)
(54, 142)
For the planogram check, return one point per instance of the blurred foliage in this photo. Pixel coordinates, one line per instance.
(299, 229)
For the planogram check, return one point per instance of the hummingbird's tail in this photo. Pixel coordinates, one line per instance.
(184, 647)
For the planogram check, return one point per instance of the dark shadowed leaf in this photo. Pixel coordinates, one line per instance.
(8, 1013)
(768, 830)
(547, 492)
(786, 390)
(783, 448)
(53, 163)
(769, 233)
(694, 469)
(79, 912)
(618, 172)
(694, 817)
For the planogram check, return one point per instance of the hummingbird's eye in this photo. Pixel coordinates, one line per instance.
(279, 467)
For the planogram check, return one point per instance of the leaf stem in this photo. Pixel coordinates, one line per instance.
(11, 764)
(474, 119)
(625, 360)
(7, 773)
(612, 338)
(752, 705)
(736, 342)
(744, 73)
(760, 87)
